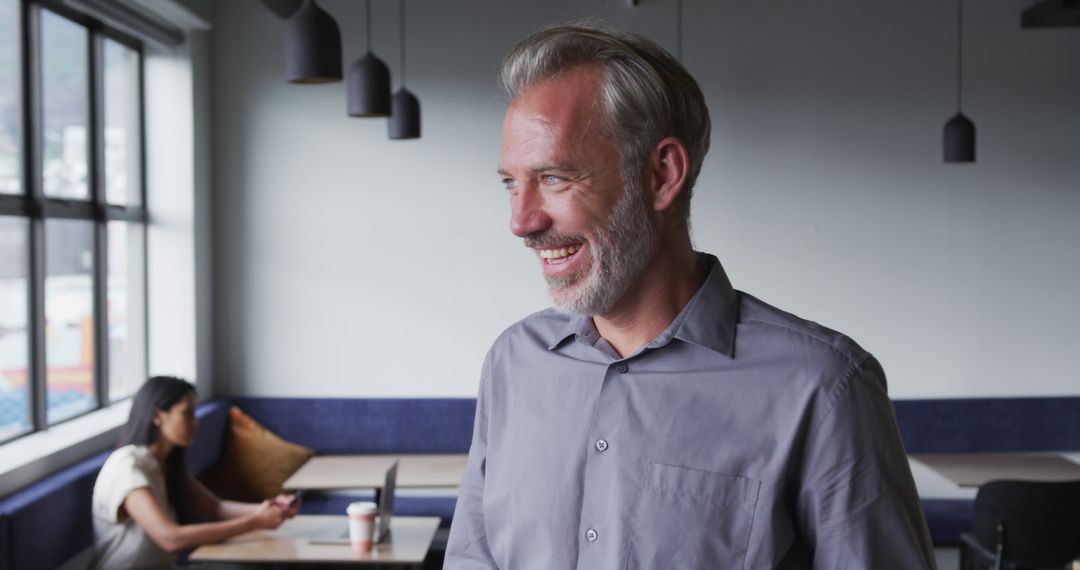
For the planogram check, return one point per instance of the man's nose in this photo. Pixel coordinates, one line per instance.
(527, 213)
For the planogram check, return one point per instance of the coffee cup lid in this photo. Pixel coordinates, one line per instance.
(361, 508)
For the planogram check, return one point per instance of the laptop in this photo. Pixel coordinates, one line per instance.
(337, 532)
(385, 499)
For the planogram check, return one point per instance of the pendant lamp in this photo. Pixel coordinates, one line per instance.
(312, 46)
(405, 108)
(369, 82)
(960, 130)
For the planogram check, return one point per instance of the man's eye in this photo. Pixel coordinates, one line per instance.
(550, 179)
(509, 183)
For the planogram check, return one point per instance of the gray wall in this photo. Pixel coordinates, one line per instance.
(350, 265)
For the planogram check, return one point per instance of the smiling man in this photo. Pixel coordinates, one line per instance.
(658, 418)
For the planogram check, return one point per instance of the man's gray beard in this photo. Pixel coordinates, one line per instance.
(622, 249)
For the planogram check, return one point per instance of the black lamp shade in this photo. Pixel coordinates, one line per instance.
(369, 87)
(959, 139)
(404, 116)
(283, 8)
(312, 46)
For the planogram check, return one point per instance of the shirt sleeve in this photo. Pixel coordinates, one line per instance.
(858, 506)
(467, 547)
(121, 474)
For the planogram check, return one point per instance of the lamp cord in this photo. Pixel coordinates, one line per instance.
(959, 54)
(678, 30)
(368, 24)
(401, 21)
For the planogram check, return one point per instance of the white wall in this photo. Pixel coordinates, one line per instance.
(350, 265)
(171, 283)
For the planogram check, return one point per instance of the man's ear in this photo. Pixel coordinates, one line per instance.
(668, 166)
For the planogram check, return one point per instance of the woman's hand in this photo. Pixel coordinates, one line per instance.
(269, 515)
(289, 503)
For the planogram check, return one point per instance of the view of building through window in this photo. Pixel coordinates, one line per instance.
(123, 165)
(126, 305)
(14, 242)
(10, 88)
(123, 176)
(60, 261)
(14, 334)
(69, 317)
(65, 106)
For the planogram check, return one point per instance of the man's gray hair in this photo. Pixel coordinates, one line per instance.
(646, 93)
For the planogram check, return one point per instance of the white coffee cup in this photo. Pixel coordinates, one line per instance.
(361, 525)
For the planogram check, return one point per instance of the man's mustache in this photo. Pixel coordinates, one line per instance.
(541, 240)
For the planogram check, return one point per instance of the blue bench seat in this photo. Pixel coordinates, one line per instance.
(980, 425)
(48, 523)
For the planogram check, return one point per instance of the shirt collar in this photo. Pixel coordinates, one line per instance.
(710, 317)
(707, 320)
(579, 326)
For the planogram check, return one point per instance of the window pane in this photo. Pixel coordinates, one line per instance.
(14, 335)
(64, 107)
(127, 309)
(10, 85)
(69, 317)
(122, 158)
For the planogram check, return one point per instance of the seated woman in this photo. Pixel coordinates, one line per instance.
(144, 490)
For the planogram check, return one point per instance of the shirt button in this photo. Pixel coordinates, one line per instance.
(622, 368)
(601, 445)
(591, 535)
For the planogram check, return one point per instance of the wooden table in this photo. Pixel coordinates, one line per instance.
(410, 539)
(974, 469)
(336, 472)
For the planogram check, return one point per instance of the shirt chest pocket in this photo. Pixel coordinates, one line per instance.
(688, 518)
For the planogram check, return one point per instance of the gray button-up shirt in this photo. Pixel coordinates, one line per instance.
(741, 437)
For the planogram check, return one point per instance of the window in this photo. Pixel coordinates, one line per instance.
(72, 216)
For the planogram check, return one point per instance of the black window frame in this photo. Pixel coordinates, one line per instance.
(36, 208)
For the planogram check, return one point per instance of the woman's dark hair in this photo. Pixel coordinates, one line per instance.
(160, 393)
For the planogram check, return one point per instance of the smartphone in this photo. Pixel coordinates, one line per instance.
(296, 496)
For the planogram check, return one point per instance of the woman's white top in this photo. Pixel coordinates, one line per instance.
(119, 542)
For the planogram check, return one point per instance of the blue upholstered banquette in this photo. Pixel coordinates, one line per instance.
(48, 522)
(974, 425)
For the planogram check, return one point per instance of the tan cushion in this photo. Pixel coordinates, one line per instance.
(254, 462)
